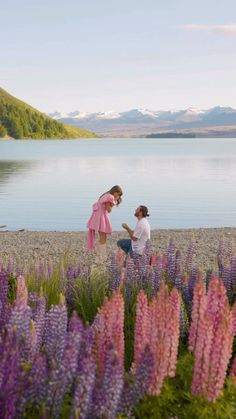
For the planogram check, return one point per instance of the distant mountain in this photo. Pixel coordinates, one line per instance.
(202, 122)
(20, 120)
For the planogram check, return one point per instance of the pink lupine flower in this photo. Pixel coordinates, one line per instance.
(159, 339)
(173, 330)
(142, 326)
(108, 327)
(119, 255)
(221, 353)
(163, 334)
(198, 313)
(33, 340)
(21, 291)
(157, 324)
(164, 262)
(232, 372)
(117, 308)
(211, 338)
(216, 300)
(202, 350)
(234, 317)
(153, 259)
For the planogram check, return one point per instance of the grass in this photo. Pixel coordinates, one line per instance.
(176, 400)
(89, 294)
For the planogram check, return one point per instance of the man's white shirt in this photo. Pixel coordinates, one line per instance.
(142, 232)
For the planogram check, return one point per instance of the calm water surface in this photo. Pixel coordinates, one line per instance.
(50, 185)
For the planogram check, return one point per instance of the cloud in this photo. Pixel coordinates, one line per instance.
(228, 29)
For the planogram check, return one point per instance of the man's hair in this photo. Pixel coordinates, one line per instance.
(144, 210)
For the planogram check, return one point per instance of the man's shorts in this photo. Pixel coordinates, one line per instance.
(126, 246)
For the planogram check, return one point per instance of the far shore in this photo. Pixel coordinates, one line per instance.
(53, 245)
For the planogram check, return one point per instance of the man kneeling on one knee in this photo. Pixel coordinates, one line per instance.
(139, 236)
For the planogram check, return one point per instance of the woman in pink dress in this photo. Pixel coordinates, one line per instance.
(99, 221)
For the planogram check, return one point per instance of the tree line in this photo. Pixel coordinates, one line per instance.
(22, 122)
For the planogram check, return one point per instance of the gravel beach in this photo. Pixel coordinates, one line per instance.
(25, 245)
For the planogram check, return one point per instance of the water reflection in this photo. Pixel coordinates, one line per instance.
(56, 182)
(9, 169)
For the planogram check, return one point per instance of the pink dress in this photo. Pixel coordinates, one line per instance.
(99, 220)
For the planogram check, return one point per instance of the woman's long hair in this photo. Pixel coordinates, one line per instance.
(114, 189)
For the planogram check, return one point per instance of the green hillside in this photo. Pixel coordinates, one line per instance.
(20, 120)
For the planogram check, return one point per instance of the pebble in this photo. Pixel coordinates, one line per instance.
(53, 245)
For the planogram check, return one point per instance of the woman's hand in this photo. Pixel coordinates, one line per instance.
(108, 206)
(125, 226)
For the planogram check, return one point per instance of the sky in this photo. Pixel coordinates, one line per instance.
(99, 55)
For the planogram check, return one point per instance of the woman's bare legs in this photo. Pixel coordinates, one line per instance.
(102, 237)
(101, 248)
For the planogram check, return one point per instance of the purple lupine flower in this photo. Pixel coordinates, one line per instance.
(76, 333)
(153, 281)
(130, 269)
(220, 255)
(9, 371)
(84, 385)
(3, 290)
(177, 263)
(107, 396)
(5, 313)
(178, 282)
(171, 259)
(75, 324)
(77, 271)
(185, 292)
(87, 342)
(158, 269)
(137, 383)
(233, 270)
(37, 380)
(24, 379)
(38, 314)
(19, 321)
(227, 281)
(189, 257)
(141, 264)
(70, 272)
(55, 330)
(183, 321)
(114, 273)
(148, 250)
(70, 275)
(229, 248)
(192, 281)
(61, 378)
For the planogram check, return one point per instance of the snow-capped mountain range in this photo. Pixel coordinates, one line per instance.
(145, 121)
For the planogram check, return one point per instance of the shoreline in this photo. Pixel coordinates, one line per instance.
(53, 245)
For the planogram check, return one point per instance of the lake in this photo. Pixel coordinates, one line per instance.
(51, 184)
